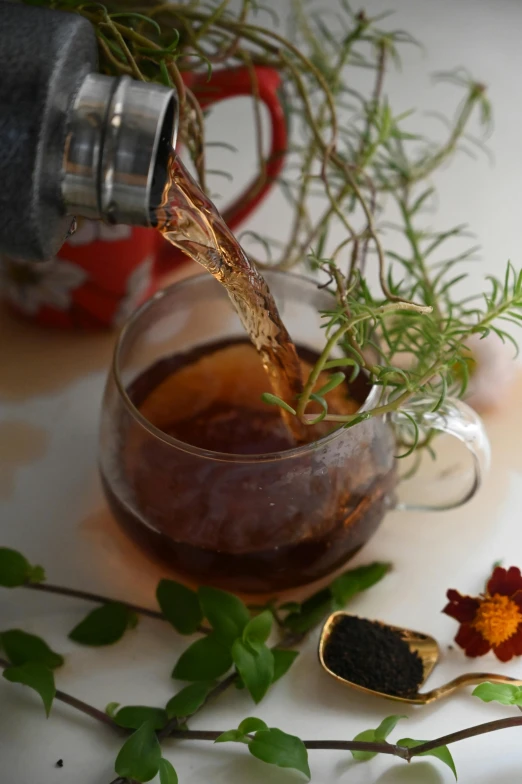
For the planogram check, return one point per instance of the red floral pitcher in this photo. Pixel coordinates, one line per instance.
(103, 272)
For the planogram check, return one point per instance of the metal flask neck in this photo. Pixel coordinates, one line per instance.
(120, 133)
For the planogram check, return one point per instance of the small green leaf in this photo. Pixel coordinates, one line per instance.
(252, 725)
(367, 736)
(255, 664)
(139, 757)
(204, 660)
(21, 647)
(36, 574)
(258, 629)
(386, 726)
(273, 400)
(104, 626)
(133, 716)
(227, 614)
(232, 736)
(505, 693)
(188, 700)
(311, 612)
(16, 570)
(283, 660)
(111, 708)
(378, 735)
(356, 580)
(290, 606)
(277, 748)
(179, 605)
(167, 774)
(442, 753)
(38, 677)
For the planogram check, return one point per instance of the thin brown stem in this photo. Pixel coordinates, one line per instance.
(289, 640)
(93, 597)
(98, 599)
(173, 725)
(341, 745)
(116, 31)
(74, 702)
(172, 68)
(258, 125)
(470, 732)
(117, 64)
(380, 748)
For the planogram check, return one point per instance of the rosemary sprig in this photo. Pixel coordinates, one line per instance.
(352, 151)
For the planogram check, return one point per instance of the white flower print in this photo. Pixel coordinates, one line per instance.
(31, 285)
(91, 231)
(137, 284)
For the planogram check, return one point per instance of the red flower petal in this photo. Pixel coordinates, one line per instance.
(472, 641)
(517, 598)
(506, 650)
(462, 608)
(506, 582)
(516, 639)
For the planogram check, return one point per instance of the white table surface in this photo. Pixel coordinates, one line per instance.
(53, 510)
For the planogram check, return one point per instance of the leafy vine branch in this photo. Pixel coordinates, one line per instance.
(395, 750)
(234, 638)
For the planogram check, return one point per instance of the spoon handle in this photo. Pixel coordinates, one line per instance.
(468, 679)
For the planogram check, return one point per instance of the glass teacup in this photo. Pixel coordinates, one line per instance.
(249, 522)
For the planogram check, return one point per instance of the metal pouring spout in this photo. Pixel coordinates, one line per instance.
(72, 141)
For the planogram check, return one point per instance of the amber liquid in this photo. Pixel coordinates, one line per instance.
(189, 220)
(250, 525)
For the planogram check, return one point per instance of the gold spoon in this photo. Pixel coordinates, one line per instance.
(428, 650)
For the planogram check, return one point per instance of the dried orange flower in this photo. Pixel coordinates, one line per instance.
(492, 621)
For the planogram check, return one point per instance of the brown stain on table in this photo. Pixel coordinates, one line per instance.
(20, 445)
(37, 360)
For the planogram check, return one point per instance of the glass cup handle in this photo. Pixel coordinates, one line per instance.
(459, 420)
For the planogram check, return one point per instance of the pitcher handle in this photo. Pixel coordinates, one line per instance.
(459, 420)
